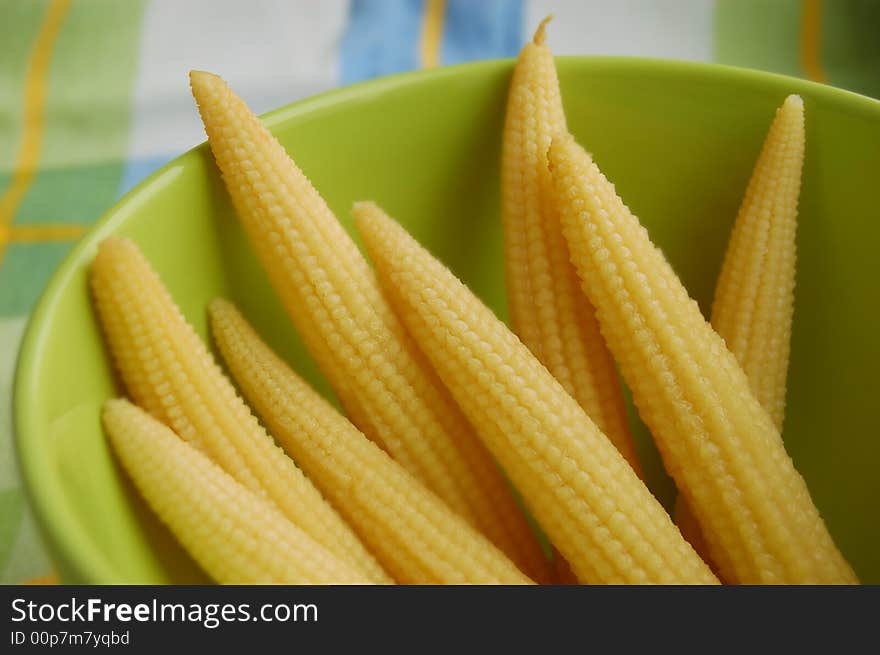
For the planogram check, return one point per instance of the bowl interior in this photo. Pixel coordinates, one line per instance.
(678, 139)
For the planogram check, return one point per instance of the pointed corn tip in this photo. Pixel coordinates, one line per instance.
(558, 145)
(367, 216)
(792, 108)
(220, 305)
(791, 111)
(218, 309)
(113, 240)
(200, 82)
(361, 207)
(113, 411)
(202, 77)
(114, 405)
(794, 100)
(113, 246)
(541, 33)
(377, 229)
(790, 114)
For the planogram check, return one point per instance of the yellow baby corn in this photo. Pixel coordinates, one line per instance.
(548, 310)
(721, 447)
(413, 533)
(331, 294)
(169, 372)
(595, 509)
(754, 298)
(236, 536)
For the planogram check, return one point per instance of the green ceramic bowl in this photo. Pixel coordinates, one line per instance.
(678, 139)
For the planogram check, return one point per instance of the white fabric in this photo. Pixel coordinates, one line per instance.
(270, 52)
(671, 29)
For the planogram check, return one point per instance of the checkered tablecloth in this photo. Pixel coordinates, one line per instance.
(94, 96)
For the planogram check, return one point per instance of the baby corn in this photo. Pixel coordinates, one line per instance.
(595, 509)
(168, 371)
(413, 533)
(754, 299)
(331, 294)
(721, 447)
(234, 535)
(548, 310)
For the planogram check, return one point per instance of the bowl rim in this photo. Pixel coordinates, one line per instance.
(69, 546)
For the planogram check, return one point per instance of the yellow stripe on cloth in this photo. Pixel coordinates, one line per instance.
(34, 117)
(432, 31)
(41, 232)
(811, 41)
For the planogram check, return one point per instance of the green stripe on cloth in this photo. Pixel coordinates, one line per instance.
(11, 330)
(83, 144)
(22, 556)
(88, 112)
(27, 558)
(88, 107)
(851, 44)
(827, 41)
(26, 269)
(70, 194)
(11, 506)
(18, 29)
(11, 497)
(762, 34)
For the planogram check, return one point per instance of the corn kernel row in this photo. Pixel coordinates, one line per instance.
(595, 509)
(331, 294)
(168, 371)
(719, 445)
(235, 536)
(418, 539)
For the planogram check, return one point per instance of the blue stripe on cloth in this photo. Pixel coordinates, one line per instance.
(137, 169)
(481, 30)
(382, 37)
